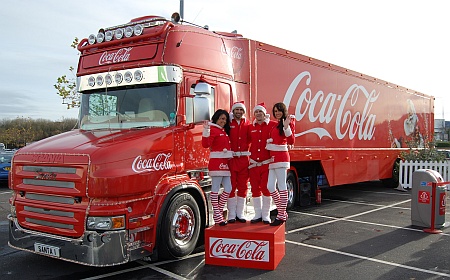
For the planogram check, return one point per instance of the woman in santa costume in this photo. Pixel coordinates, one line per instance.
(281, 136)
(215, 137)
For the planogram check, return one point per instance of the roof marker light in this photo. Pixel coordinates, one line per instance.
(138, 75)
(138, 29)
(100, 37)
(118, 78)
(99, 80)
(128, 31)
(108, 79)
(118, 33)
(109, 35)
(92, 39)
(128, 77)
(91, 81)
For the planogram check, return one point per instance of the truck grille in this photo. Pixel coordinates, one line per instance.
(51, 198)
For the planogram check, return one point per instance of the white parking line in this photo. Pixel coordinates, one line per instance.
(364, 203)
(348, 217)
(152, 266)
(357, 221)
(370, 259)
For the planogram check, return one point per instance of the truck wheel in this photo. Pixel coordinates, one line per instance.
(180, 227)
(394, 180)
(291, 183)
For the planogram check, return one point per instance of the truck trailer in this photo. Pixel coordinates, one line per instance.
(132, 180)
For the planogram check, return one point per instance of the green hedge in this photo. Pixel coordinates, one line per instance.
(442, 144)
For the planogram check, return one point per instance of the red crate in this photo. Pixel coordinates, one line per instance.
(245, 245)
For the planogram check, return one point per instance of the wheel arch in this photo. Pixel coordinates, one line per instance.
(196, 192)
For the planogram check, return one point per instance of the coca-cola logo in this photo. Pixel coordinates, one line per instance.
(234, 52)
(158, 163)
(239, 249)
(223, 166)
(115, 57)
(344, 110)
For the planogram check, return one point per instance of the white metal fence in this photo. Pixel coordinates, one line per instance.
(408, 167)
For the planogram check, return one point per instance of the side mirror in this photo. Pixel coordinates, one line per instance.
(201, 109)
(202, 88)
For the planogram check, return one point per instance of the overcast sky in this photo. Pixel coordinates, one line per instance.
(405, 42)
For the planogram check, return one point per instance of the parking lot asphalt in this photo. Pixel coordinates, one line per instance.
(361, 231)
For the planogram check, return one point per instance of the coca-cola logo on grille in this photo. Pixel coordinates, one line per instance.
(239, 249)
(115, 57)
(158, 163)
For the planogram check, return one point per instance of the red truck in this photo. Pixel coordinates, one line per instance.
(132, 182)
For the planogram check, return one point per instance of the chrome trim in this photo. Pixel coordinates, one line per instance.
(94, 249)
(50, 198)
(49, 169)
(49, 224)
(47, 183)
(49, 212)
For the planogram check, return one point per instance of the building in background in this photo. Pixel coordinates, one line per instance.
(441, 130)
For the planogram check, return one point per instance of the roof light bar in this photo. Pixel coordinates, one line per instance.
(125, 30)
(136, 76)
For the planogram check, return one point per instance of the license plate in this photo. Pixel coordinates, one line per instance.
(46, 249)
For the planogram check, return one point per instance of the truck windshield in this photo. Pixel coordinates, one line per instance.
(131, 107)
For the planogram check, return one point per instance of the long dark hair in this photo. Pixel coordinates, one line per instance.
(282, 108)
(216, 117)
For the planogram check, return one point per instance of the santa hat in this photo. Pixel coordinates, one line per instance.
(262, 107)
(239, 104)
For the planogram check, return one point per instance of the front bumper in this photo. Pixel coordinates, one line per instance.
(95, 249)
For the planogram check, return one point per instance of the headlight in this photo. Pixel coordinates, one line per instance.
(106, 223)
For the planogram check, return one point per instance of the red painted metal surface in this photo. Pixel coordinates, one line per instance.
(245, 245)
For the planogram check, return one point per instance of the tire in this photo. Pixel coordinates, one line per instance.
(180, 227)
(394, 180)
(292, 187)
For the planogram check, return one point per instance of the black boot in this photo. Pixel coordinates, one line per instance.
(254, 221)
(277, 222)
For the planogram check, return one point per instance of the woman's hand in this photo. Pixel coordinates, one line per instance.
(206, 124)
(206, 130)
(287, 121)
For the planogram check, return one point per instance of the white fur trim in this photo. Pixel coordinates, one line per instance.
(275, 165)
(276, 148)
(219, 173)
(259, 107)
(238, 105)
(216, 125)
(287, 131)
(206, 132)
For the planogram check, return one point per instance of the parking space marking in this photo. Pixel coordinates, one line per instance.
(370, 259)
(364, 203)
(8, 192)
(153, 266)
(360, 222)
(348, 217)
